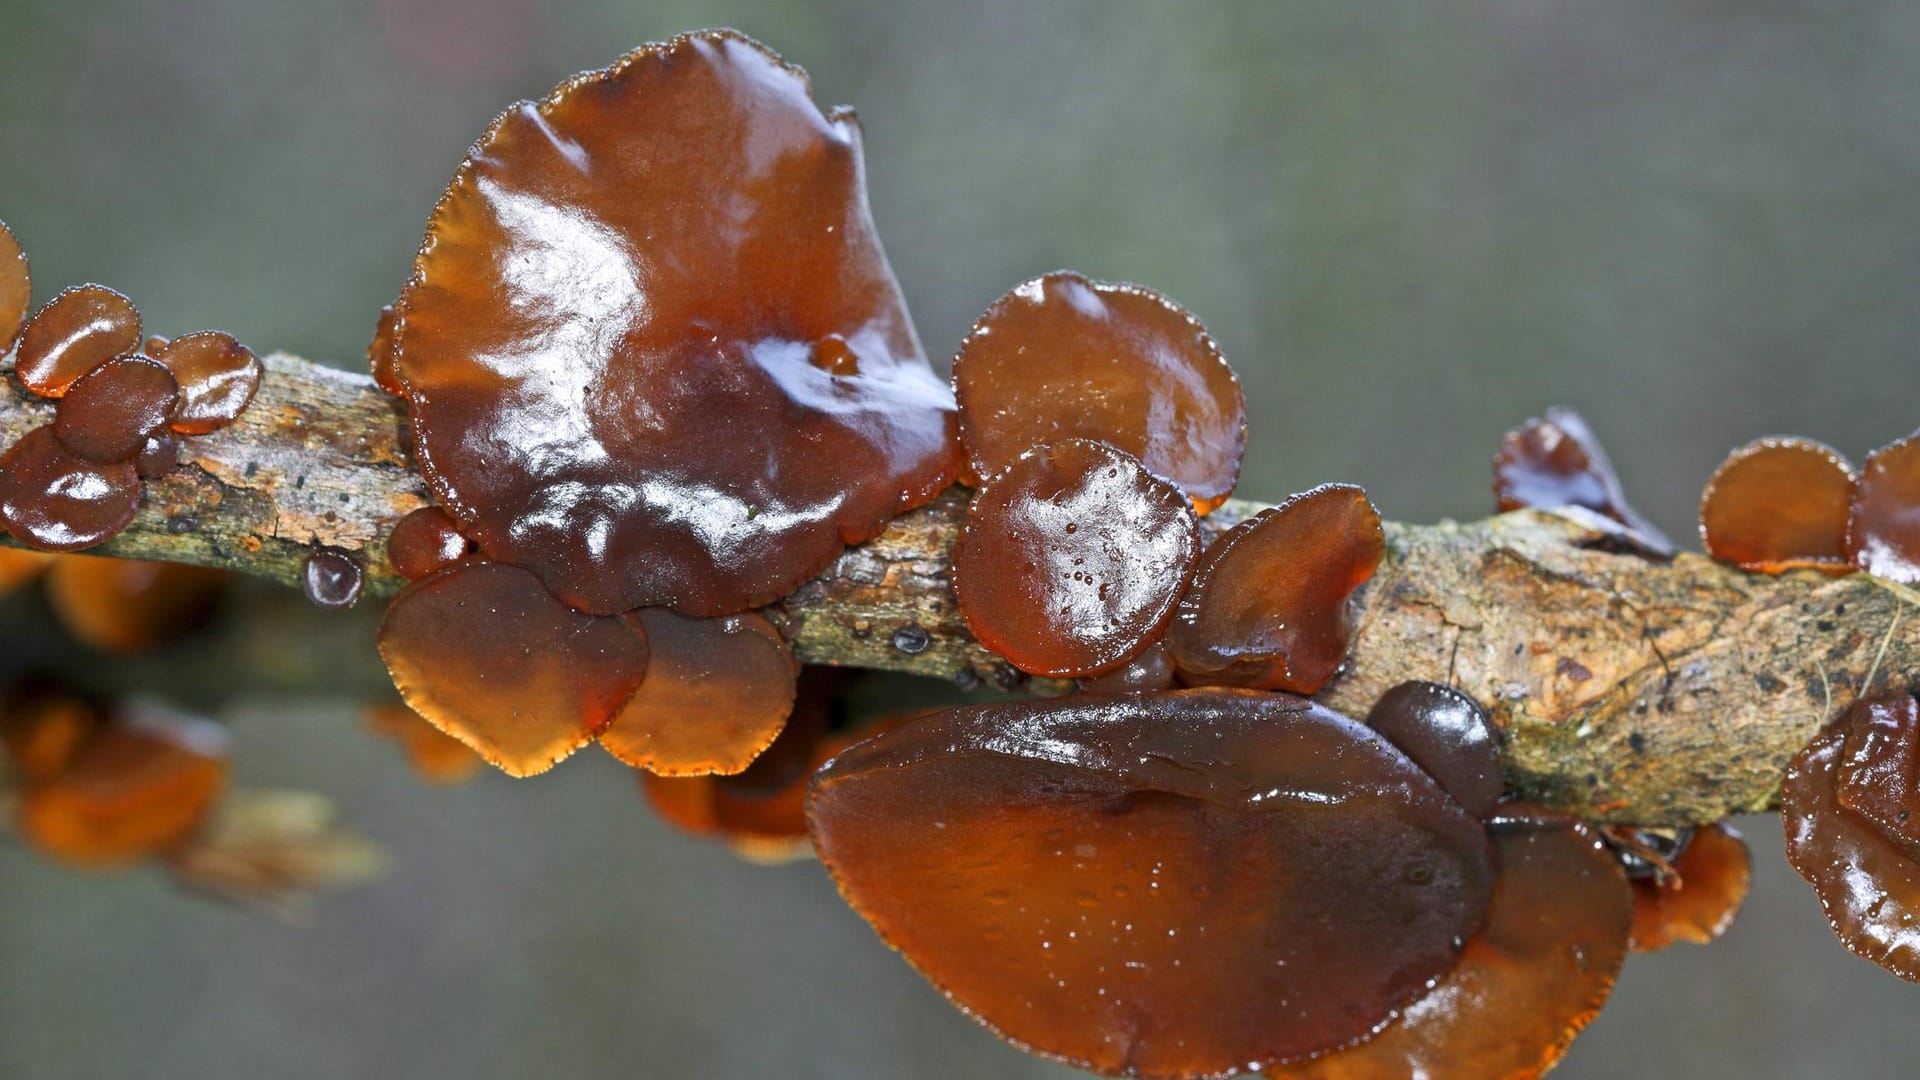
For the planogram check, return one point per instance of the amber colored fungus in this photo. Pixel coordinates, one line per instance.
(1556, 461)
(1167, 885)
(108, 414)
(122, 605)
(1072, 559)
(423, 541)
(717, 693)
(434, 756)
(1883, 529)
(218, 377)
(489, 656)
(1445, 733)
(1526, 984)
(16, 288)
(380, 357)
(1699, 898)
(55, 500)
(136, 788)
(1878, 776)
(43, 731)
(18, 567)
(1868, 881)
(1779, 504)
(653, 349)
(1271, 601)
(332, 578)
(157, 456)
(1150, 669)
(75, 332)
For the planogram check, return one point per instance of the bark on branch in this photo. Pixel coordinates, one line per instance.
(1626, 690)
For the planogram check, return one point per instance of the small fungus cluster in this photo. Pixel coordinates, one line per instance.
(1783, 503)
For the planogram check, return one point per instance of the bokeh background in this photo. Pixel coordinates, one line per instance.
(1411, 225)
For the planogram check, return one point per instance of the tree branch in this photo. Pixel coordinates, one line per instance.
(1626, 689)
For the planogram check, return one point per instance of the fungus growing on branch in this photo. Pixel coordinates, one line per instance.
(218, 377)
(109, 413)
(75, 332)
(1883, 528)
(1779, 504)
(1695, 897)
(16, 288)
(423, 541)
(716, 693)
(1557, 461)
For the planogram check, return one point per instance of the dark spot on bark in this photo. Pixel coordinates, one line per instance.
(299, 483)
(912, 640)
(1824, 625)
(182, 523)
(1768, 683)
(1008, 677)
(1573, 669)
(253, 468)
(966, 678)
(1637, 742)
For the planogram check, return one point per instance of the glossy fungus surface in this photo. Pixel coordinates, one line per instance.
(125, 605)
(653, 349)
(1271, 601)
(135, 788)
(53, 499)
(332, 578)
(1556, 461)
(434, 756)
(1779, 504)
(717, 693)
(75, 332)
(492, 658)
(1878, 775)
(1697, 899)
(1174, 884)
(1064, 357)
(157, 456)
(423, 541)
(109, 413)
(1072, 559)
(1883, 528)
(1446, 733)
(380, 352)
(1868, 881)
(1150, 669)
(16, 288)
(218, 377)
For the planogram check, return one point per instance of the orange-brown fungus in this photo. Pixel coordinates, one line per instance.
(1270, 605)
(492, 658)
(1064, 357)
(75, 332)
(53, 499)
(108, 414)
(122, 605)
(137, 787)
(380, 358)
(434, 756)
(423, 541)
(1526, 984)
(1073, 558)
(1697, 897)
(1779, 504)
(16, 288)
(19, 567)
(43, 730)
(1177, 884)
(332, 578)
(1150, 669)
(1445, 732)
(218, 377)
(717, 693)
(1557, 461)
(1883, 530)
(653, 349)
(1867, 877)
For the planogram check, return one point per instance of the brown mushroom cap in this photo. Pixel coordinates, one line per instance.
(72, 334)
(16, 288)
(1167, 885)
(1883, 529)
(423, 541)
(653, 349)
(1150, 669)
(1700, 895)
(717, 693)
(1778, 504)
(108, 414)
(1446, 733)
(435, 756)
(53, 499)
(124, 605)
(380, 352)
(218, 377)
(1072, 558)
(332, 578)
(1556, 461)
(1270, 604)
(489, 656)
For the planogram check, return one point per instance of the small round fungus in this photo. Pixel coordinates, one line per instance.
(75, 332)
(1063, 357)
(16, 288)
(423, 541)
(380, 352)
(1557, 461)
(332, 578)
(157, 456)
(717, 693)
(1697, 897)
(1150, 669)
(1271, 601)
(53, 499)
(1178, 884)
(489, 656)
(1445, 732)
(218, 377)
(1072, 559)
(1883, 530)
(109, 413)
(124, 605)
(434, 756)
(1779, 504)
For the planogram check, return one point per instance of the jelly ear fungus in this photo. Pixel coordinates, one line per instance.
(1883, 525)
(1555, 461)
(16, 288)
(1779, 504)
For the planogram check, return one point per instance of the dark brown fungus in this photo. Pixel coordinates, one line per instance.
(16, 288)
(489, 656)
(123, 605)
(1556, 461)
(1178, 884)
(332, 578)
(434, 756)
(53, 499)
(218, 377)
(1072, 559)
(1883, 529)
(653, 350)
(1878, 775)
(1150, 669)
(1445, 732)
(1271, 601)
(1697, 896)
(157, 456)
(75, 332)
(717, 693)
(1779, 504)
(1064, 357)
(423, 541)
(109, 413)
(380, 358)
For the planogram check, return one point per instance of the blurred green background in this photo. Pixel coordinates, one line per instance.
(1410, 226)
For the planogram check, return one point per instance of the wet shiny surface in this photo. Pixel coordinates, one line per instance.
(109, 413)
(434, 756)
(1878, 775)
(1171, 884)
(1150, 669)
(158, 455)
(218, 377)
(332, 578)
(1557, 460)
(423, 541)
(1883, 531)
(380, 358)
(653, 348)
(486, 654)
(1270, 601)
(1072, 559)
(55, 500)
(16, 287)
(1446, 733)
(124, 605)
(135, 788)
(1063, 357)
(1701, 897)
(1777, 504)
(716, 694)
(72, 334)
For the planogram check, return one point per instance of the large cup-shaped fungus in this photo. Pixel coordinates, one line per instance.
(1177, 884)
(1779, 504)
(218, 377)
(717, 693)
(75, 332)
(1883, 529)
(1556, 461)
(1445, 733)
(52, 499)
(16, 288)
(1695, 897)
(652, 348)
(1072, 559)
(124, 605)
(109, 413)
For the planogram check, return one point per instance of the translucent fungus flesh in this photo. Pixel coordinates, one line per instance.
(125, 605)
(1883, 528)
(16, 288)
(380, 357)
(1271, 601)
(1878, 775)
(52, 499)
(75, 332)
(133, 790)
(332, 578)
(1697, 899)
(489, 656)
(423, 541)
(434, 756)
(1557, 461)
(716, 694)
(1150, 669)
(652, 347)
(109, 413)
(1073, 558)
(1779, 504)
(1166, 885)
(218, 377)
(1446, 733)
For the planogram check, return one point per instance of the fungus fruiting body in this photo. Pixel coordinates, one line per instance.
(1696, 896)
(380, 356)
(1883, 526)
(1445, 733)
(1556, 461)
(157, 456)
(109, 413)
(434, 756)
(1150, 669)
(55, 500)
(716, 694)
(75, 332)
(332, 578)
(423, 541)
(16, 288)
(218, 377)
(125, 605)
(1779, 504)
